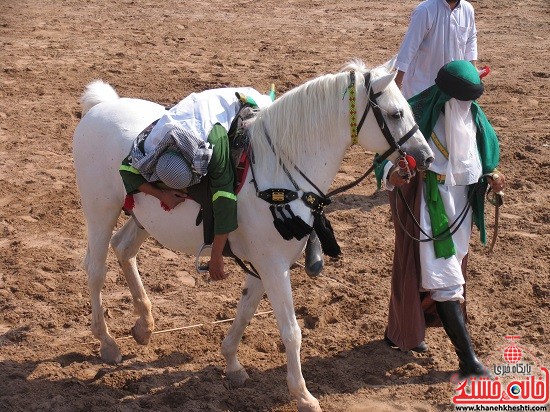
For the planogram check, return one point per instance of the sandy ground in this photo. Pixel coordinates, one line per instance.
(162, 51)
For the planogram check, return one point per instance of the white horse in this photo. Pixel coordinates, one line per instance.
(309, 127)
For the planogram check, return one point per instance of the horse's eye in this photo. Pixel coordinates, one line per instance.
(397, 115)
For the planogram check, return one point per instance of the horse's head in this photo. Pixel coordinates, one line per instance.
(385, 120)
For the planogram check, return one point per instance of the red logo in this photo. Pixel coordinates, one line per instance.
(512, 354)
(522, 380)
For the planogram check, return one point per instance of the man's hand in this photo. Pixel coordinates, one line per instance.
(497, 182)
(395, 179)
(216, 268)
(215, 265)
(171, 197)
(399, 78)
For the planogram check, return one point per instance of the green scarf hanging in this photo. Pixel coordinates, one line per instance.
(444, 248)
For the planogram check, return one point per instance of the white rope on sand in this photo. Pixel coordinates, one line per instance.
(198, 325)
(158, 332)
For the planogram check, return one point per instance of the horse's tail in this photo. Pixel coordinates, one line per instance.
(97, 92)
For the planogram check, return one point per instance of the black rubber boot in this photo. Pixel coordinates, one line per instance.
(314, 256)
(452, 318)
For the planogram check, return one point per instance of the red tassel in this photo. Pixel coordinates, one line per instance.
(484, 71)
(410, 160)
(164, 206)
(129, 203)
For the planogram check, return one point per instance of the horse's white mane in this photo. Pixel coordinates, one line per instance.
(296, 120)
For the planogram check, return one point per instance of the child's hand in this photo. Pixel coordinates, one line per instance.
(171, 198)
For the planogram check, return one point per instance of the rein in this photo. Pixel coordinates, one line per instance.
(447, 233)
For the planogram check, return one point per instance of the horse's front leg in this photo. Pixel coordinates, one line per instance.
(252, 294)
(126, 243)
(279, 292)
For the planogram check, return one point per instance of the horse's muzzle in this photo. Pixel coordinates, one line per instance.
(425, 164)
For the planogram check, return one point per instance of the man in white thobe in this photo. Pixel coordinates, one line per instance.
(440, 31)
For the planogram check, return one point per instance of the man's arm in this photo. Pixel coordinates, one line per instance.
(418, 28)
(224, 200)
(470, 51)
(399, 78)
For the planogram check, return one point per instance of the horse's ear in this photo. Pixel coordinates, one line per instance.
(380, 84)
(390, 64)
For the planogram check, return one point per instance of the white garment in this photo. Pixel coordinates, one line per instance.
(448, 293)
(199, 112)
(456, 132)
(435, 37)
(441, 273)
(442, 277)
(464, 165)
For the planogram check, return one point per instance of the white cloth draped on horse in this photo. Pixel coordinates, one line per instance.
(186, 126)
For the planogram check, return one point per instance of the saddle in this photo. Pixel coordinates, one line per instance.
(238, 143)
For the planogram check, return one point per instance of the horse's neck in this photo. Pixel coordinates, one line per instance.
(322, 166)
(319, 161)
(309, 130)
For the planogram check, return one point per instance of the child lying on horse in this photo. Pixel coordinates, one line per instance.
(188, 142)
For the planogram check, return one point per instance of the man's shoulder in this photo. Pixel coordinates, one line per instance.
(466, 5)
(427, 7)
(431, 3)
(426, 4)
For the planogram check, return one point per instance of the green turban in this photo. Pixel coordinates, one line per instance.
(460, 79)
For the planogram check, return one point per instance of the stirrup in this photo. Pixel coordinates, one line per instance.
(314, 261)
(202, 267)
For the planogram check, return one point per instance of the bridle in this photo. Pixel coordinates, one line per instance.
(319, 200)
(372, 103)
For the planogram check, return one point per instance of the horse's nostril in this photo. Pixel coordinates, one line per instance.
(426, 164)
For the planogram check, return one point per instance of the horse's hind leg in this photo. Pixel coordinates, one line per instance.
(126, 243)
(251, 296)
(99, 233)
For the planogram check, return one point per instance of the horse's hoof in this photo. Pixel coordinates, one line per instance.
(236, 379)
(308, 403)
(140, 337)
(312, 407)
(110, 354)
